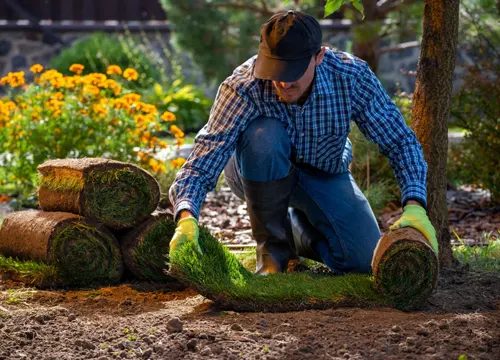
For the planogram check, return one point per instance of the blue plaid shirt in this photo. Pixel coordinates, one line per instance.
(344, 90)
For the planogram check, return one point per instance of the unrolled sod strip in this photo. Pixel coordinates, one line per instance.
(218, 275)
(405, 267)
(114, 193)
(83, 252)
(145, 248)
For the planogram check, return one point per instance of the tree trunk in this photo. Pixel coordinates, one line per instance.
(431, 108)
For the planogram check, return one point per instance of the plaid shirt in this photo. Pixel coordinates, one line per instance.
(344, 90)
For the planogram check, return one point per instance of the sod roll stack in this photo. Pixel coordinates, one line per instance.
(83, 252)
(145, 247)
(405, 267)
(117, 194)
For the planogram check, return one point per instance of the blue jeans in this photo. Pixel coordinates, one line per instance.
(333, 203)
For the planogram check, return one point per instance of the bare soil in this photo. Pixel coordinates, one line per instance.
(139, 321)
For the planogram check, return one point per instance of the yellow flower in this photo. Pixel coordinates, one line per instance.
(14, 79)
(176, 131)
(168, 116)
(101, 111)
(121, 104)
(177, 163)
(156, 165)
(91, 89)
(131, 98)
(114, 70)
(58, 95)
(130, 74)
(77, 68)
(37, 68)
(50, 75)
(179, 142)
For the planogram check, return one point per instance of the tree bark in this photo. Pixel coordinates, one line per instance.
(431, 108)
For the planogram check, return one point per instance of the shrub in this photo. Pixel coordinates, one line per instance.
(76, 116)
(98, 51)
(477, 110)
(191, 106)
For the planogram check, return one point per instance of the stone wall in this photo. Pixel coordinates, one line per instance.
(21, 49)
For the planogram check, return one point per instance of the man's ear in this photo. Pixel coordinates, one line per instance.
(321, 55)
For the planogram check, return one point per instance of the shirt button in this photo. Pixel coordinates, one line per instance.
(302, 134)
(300, 157)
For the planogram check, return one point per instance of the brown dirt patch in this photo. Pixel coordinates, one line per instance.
(132, 321)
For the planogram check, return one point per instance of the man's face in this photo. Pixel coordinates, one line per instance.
(291, 92)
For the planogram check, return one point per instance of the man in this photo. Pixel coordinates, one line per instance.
(279, 126)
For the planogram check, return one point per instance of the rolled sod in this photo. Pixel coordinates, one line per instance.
(219, 276)
(82, 252)
(405, 268)
(145, 248)
(114, 193)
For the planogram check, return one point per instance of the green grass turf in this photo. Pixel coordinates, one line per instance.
(118, 197)
(84, 255)
(31, 272)
(150, 254)
(218, 275)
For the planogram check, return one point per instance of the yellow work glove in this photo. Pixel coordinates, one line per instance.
(414, 216)
(186, 230)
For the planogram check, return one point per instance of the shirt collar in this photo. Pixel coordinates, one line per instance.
(321, 85)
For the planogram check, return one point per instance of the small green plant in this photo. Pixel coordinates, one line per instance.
(127, 331)
(93, 294)
(265, 349)
(484, 257)
(132, 337)
(17, 296)
(104, 346)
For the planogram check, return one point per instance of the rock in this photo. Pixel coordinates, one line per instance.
(422, 332)
(85, 344)
(71, 317)
(279, 337)
(29, 334)
(148, 340)
(396, 329)
(430, 350)
(411, 340)
(191, 344)
(160, 349)
(40, 319)
(236, 327)
(126, 302)
(174, 325)
(444, 324)
(147, 354)
(206, 351)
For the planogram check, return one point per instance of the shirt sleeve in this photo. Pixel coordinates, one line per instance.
(213, 146)
(381, 122)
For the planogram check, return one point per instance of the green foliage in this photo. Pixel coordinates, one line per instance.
(333, 5)
(477, 110)
(98, 51)
(190, 105)
(484, 258)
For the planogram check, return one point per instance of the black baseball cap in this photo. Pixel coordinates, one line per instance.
(288, 40)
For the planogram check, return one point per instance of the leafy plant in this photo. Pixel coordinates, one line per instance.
(98, 51)
(485, 257)
(477, 110)
(190, 105)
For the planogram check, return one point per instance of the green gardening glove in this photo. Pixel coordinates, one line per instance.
(187, 230)
(414, 216)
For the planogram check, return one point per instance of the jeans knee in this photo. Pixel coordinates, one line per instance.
(264, 137)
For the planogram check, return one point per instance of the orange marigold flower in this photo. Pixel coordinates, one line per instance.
(177, 163)
(130, 74)
(91, 89)
(37, 68)
(174, 129)
(58, 95)
(168, 116)
(77, 68)
(131, 98)
(114, 70)
(15, 79)
(179, 142)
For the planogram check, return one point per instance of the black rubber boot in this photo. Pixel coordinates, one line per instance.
(267, 206)
(304, 235)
